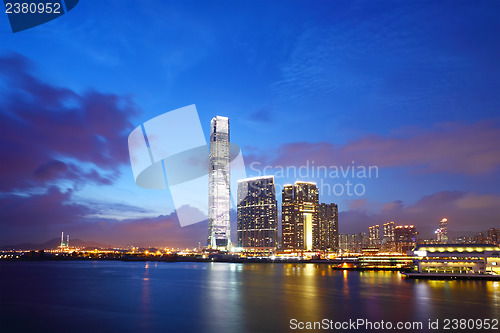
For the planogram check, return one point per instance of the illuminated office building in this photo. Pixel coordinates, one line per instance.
(257, 213)
(328, 218)
(299, 217)
(442, 232)
(219, 182)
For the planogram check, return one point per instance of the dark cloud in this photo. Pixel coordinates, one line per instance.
(38, 216)
(163, 230)
(49, 133)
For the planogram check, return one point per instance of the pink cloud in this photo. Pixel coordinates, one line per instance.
(465, 211)
(457, 148)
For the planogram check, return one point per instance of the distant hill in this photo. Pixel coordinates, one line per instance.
(53, 244)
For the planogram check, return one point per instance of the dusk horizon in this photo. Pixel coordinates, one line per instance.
(250, 166)
(410, 89)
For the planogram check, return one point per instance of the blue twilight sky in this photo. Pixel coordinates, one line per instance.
(411, 87)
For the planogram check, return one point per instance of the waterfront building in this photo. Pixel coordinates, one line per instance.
(287, 218)
(480, 238)
(257, 228)
(219, 185)
(462, 240)
(494, 236)
(348, 243)
(442, 231)
(353, 243)
(299, 217)
(405, 238)
(455, 260)
(363, 241)
(382, 262)
(374, 234)
(389, 236)
(328, 217)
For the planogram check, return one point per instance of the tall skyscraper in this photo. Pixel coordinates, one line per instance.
(287, 218)
(257, 213)
(442, 231)
(219, 185)
(328, 217)
(299, 217)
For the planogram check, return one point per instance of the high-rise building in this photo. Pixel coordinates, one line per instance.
(257, 213)
(328, 218)
(348, 243)
(442, 231)
(494, 236)
(405, 238)
(389, 237)
(299, 217)
(363, 241)
(287, 218)
(353, 243)
(389, 232)
(374, 234)
(219, 185)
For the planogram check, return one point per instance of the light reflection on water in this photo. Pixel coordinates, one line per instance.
(221, 297)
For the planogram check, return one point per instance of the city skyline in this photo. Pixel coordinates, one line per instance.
(407, 88)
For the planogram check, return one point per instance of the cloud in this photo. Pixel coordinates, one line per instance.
(456, 148)
(49, 133)
(50, 136)
(163, 230)
(41, 217)
(38, 215)
(465, 211)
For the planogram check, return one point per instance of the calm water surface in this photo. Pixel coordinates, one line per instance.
(100, 296)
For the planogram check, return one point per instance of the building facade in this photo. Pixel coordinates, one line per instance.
(442, 232)
(389, 232)
(405, 238)
(257, 213)
(353, 243)
(219, 185)
(328, 218)
(494, 236)
(299, 217)
(456, 259)
(374, 234)
(389, 237)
